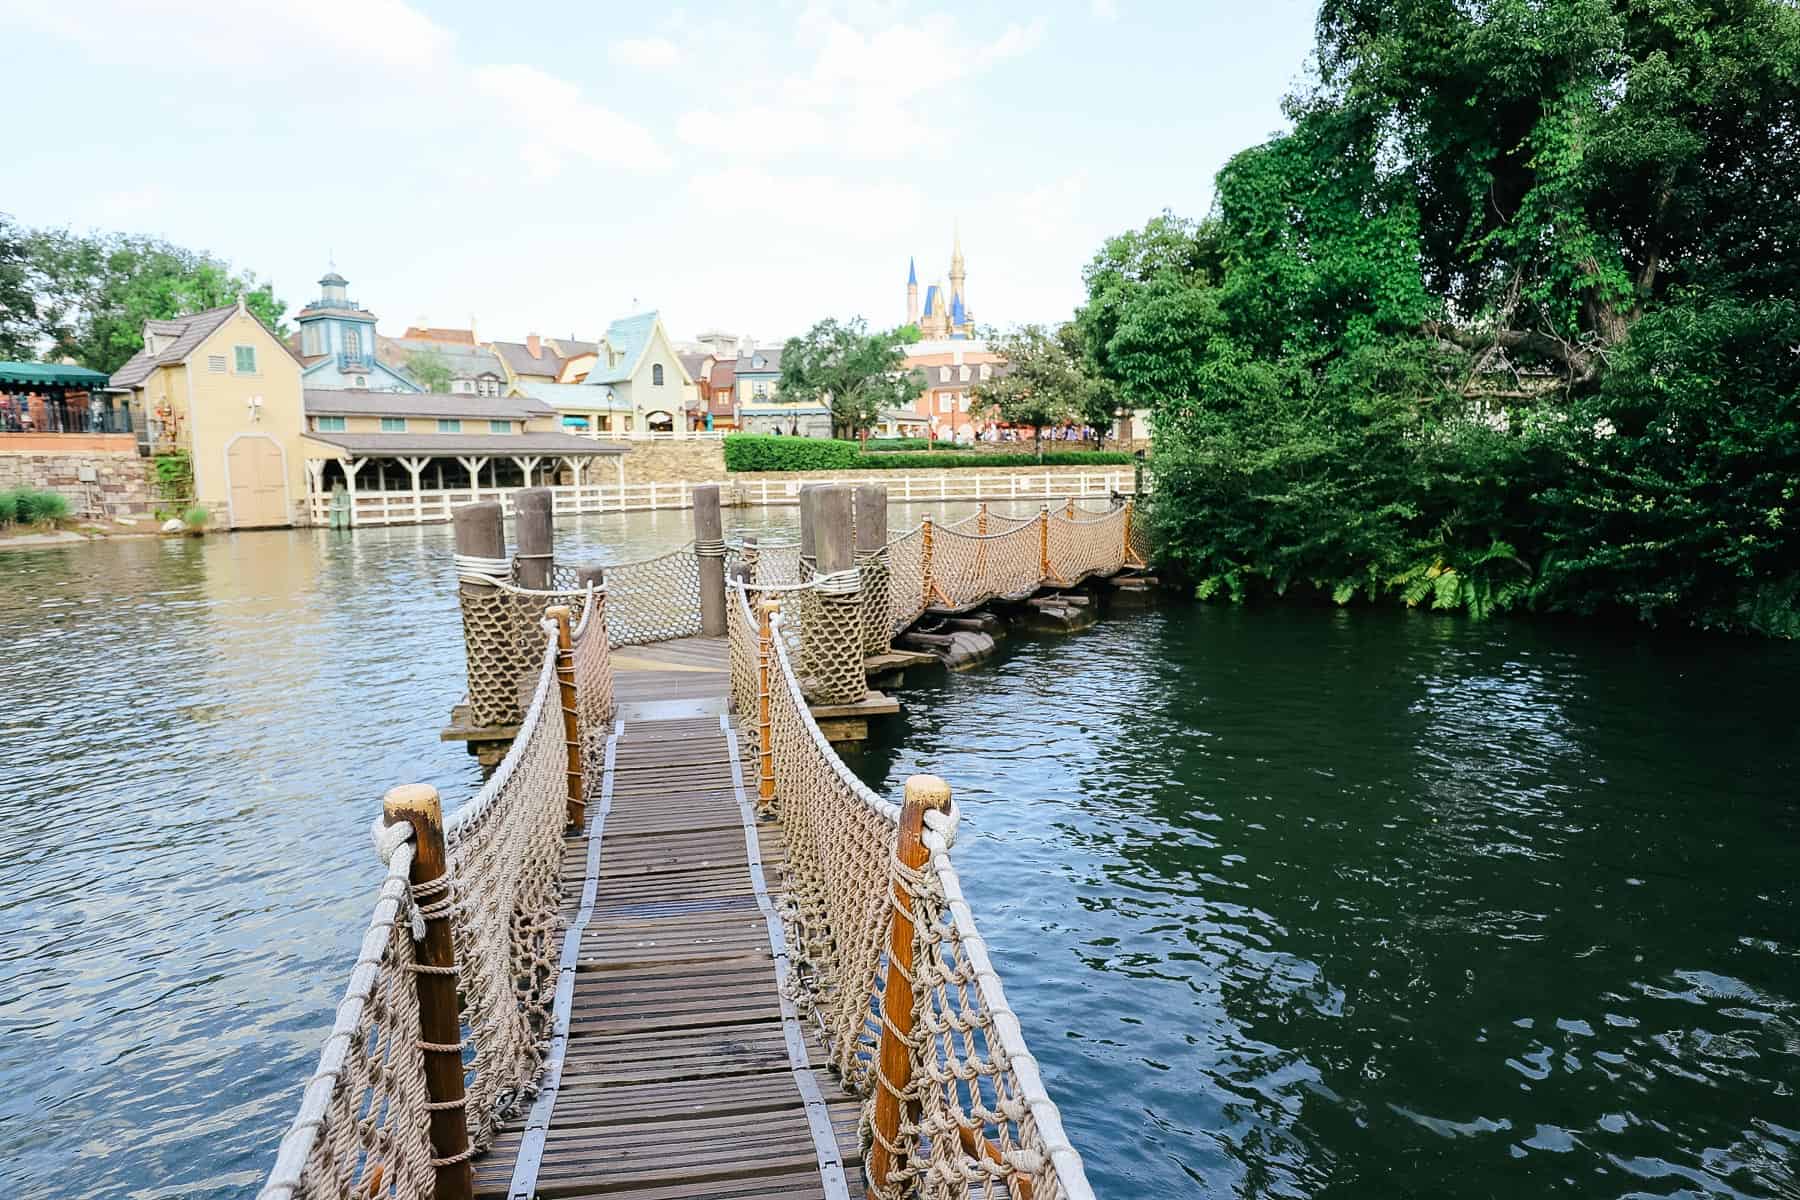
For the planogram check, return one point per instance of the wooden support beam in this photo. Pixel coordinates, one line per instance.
(894, 1061)
(871, 518)
(571, 712)
(765, 733)
(440, 1022)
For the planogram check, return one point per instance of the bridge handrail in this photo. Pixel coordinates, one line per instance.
(364, 1122)
(976, 1111)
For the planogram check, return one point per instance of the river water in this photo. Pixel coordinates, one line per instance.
(1290, 903)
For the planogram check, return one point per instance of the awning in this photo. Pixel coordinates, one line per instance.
(51, 375)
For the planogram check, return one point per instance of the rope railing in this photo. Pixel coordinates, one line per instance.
(889, 961)
(438, 1042)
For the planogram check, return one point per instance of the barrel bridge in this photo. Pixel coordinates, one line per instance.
(674, 947)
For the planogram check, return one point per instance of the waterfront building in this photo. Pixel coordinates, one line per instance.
(952, 367)
(640, 364)
(761, 407)
(585, 411)
(220, 386)
(426, 446)
(474, 370)
(545, 360)
(337, 343)
(42, 404)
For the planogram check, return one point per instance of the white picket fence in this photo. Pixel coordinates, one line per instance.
(434, 506)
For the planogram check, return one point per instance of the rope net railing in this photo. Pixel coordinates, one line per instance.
(975, 1119)
(654, 600)
(503, 637)
(363, 1129)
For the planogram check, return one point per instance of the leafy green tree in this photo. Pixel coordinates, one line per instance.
(859, 374)
(95, 291)
(429, 369)
(1041, 385)
(20, 331)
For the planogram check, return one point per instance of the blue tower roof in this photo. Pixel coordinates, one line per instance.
(931, 300)
(912, 273)
(956, 311)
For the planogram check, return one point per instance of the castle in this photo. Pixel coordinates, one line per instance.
(946, 313)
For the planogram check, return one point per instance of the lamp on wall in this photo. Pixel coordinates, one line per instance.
(254, 404)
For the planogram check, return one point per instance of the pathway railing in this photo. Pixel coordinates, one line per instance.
(889, 959)
(440, 1036)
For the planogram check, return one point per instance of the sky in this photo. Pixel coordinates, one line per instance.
(549, 167)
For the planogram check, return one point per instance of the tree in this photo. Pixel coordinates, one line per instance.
(1042, 384)
(95, 291)
(429, 369)
(859, 374)
(20, 331)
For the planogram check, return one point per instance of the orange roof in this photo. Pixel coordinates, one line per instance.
(455, 337)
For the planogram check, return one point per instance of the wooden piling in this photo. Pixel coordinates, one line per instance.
(833, 528)
(709, 546)
(1043, 542)
(928, 584)
(894, 1063)
(480, 530)
(809, 551)
(535, 528)
(765, 732)
(571, 713)
(871, 518)
(440, 1023)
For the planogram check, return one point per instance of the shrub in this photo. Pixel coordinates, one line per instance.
(195, 517)
(884, 445)
(28, 506)
(768, 452)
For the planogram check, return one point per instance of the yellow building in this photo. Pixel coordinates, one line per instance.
(221, 387)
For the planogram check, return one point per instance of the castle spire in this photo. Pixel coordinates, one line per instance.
(912, 272)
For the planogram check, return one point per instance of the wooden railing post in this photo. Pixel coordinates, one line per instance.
(765, 733)
(440, 1023)
(1069, 510)
(894, 1063)
(1130, 508)
(930, 584)
(571, 712)
(1043, 542)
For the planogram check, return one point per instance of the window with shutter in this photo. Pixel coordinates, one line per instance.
(246, 359)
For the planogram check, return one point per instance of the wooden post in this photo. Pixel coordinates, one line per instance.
(930, 585)
(871, 518)
(480, 534)
(809, 552)
(833, 535)
(440, 1024)
(894, 1064)
(571, 712)
(981, 519)
(765, 734)
(590, 574)
(709, 547)
(1069, 510)
(536, 532)
(1043, 542)
(1130, 508)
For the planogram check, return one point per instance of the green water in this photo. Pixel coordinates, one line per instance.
(1303, 903)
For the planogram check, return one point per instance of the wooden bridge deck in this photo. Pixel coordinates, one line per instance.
(686, 1074)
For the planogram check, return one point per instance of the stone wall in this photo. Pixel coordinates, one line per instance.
(695, 461)
(121, 478)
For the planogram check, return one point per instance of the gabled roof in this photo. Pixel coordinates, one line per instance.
(521, 361)
(747, 363)
(724, 373)
(694, 364)
(465, 362)
(455, 337)
(354, 402)
(572, 347)
(572, 395)
(486, 445)
(188, 332)
(630, 337)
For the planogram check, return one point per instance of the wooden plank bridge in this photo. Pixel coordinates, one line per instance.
(686, 1074)
(674, 949)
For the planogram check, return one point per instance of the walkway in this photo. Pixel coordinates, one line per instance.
(686, 1073)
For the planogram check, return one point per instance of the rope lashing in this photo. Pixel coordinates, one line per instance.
(839, 583)
(709, 548)
(483, 568)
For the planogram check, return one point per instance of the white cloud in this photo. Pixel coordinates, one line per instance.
(644, 52)
(555, 124)
(1020, 39)
(1105, 10)
(816, 203)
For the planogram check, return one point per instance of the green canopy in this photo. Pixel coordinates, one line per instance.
(51, 375)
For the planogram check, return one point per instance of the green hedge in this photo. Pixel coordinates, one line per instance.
(766, 452)
(886, 445)
(951, 459)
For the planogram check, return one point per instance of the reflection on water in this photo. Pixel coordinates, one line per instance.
(1289, 902)
(1297, 903)
(194, 739)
